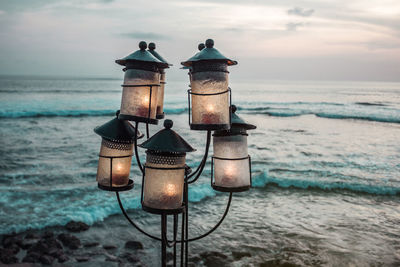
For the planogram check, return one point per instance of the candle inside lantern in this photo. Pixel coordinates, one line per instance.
(170, 197)
(120, 175)
(210, 117)
(143, 109)
(229, 175)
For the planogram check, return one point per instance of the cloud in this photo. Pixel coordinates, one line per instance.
(298, 11)
(292, 26)
(145, 35)
(2, 12)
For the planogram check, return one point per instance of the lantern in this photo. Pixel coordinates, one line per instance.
(164, 171)
(209, 96)
(141, 85)
(201, 46)
(160, 97)
(231, 164)
(115, 155)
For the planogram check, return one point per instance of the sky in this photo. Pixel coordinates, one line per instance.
(277, 39)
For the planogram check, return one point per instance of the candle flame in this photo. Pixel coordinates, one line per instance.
(119, 167)
(210, 108)
(146, 101)
(170, 190)
(230, 171)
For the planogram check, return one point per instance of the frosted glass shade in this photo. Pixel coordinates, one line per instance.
(230, 146)
(231, 173)
(210, 109)
(160, 97)
(114, 164)
(231, 163)
(163, 186)
(138, 100)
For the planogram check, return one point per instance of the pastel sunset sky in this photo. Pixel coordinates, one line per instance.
(277, 39)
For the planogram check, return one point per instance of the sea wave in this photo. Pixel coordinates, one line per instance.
(58, 207)
(356, 111)
(57, 91)
(72, 113)
(262, 179)
(377, 117)
(55, 113)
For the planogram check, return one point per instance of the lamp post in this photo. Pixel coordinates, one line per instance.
(165, 176)
(160, 97)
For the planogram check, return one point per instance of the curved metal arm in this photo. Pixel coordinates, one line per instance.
(133, 224)
(171, 243)
(200, 168)
(136, 150)
(147, 131)
(216, 226)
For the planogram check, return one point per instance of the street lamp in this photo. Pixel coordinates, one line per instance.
(164, 171)
(115, 154)
(165, 175)
(209, 96)
(160, 97)
(231, 164)
(141, 84)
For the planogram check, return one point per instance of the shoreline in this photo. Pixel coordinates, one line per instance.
(65, 246)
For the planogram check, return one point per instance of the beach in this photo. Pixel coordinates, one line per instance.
(325, 185)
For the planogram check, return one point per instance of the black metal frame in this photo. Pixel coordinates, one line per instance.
(154, 210)
(138, 118)
(161, 115)
(183, 211)
(203, 126)
(112, 188)
(230, 189)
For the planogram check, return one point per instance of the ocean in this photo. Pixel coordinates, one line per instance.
(325, 159)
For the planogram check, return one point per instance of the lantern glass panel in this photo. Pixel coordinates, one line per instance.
(160, 97)
(232, 173)
(136, 100)
(163, 187)
(232, 146)
(210, 109)
(119, 157)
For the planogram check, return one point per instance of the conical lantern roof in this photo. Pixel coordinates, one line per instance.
(238, 125)
(167, 140)
(201, 46)
(238, 122)
(152, 50)
(208, 53)
(118, 131)
(142, 55)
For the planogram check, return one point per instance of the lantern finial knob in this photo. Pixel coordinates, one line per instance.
(168, 124)
(201, 46)
(233, 108)
(142, 45)
(209, 43)
(152, 46)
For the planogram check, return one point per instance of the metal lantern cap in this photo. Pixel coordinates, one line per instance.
(239, 122)
(238, 125)
(167, 140)
(152, 50)
(208, 53)
(142, 55)
(201, 46)
(118, 131)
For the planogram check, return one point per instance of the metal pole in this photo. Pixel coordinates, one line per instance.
(175, 232)
(182, 235)
(163, 240)
(186, 223)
